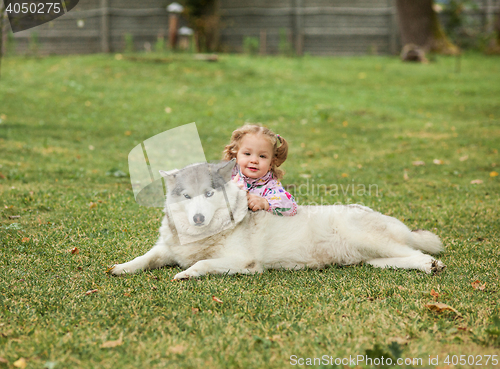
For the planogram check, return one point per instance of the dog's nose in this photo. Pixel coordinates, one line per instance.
(198, 219)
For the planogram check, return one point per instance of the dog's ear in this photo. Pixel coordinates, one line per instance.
(225, 169)
(169, 177)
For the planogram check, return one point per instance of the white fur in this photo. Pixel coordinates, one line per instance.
(315, 237)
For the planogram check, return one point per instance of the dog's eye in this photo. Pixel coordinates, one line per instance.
(209, 193)
(187, 196)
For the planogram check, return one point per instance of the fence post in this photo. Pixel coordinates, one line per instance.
(299, 27)
(263, 42)
(105, 26)
(393, 28)
(489, 15)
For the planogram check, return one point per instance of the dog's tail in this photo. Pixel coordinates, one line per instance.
(426, 241)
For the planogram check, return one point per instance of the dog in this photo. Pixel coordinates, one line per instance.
(208, 228)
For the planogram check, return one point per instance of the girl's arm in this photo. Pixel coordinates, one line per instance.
(280, 201)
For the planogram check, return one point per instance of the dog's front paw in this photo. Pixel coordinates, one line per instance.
(117, 269)
(186, 275)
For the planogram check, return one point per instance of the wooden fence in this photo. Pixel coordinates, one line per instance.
(99, 26)
(316, 27)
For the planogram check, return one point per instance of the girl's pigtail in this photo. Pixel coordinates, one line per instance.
(281, 151)
(230, 150)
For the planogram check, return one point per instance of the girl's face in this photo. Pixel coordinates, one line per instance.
(255, 155)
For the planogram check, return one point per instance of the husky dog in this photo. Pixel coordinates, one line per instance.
(208, 228)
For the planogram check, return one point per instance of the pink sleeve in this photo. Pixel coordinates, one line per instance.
(280, 201)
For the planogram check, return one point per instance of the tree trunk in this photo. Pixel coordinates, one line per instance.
(419, 25)
(415, 21)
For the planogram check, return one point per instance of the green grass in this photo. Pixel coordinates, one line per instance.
(67, 121)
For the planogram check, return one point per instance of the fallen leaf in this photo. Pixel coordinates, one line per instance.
(275, 338)
(418, 162)
(21, 363)
(493, 174)
(476, 181)
(434, 294)
(2, 176)
(3, 360)
(345, 175)
(25, 239)
(111, 344)
(178, 349)
(195, 310)
(440, 307)
(464, 158)
(90, 292)
(438, 161)
(478, 286)
(216, 299)
(75, 250)
(128, 133)
(92, 205)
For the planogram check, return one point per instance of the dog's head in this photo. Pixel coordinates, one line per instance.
(195, 196)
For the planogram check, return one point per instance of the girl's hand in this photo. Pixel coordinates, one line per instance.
(256, 202)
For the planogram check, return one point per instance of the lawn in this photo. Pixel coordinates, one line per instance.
(417, 142)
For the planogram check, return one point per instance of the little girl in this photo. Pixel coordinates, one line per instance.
(258, 157)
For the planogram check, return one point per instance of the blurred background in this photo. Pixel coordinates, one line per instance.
(315, 27)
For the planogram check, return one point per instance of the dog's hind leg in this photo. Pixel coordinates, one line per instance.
(228, 265)
(157, 257)
(423, 262)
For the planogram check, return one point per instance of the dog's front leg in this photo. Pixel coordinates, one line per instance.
(160, 255)
(220, 266)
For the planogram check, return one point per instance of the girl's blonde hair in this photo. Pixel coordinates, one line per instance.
(279, 152)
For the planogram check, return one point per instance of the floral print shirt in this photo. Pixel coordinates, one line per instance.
(280, 201)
